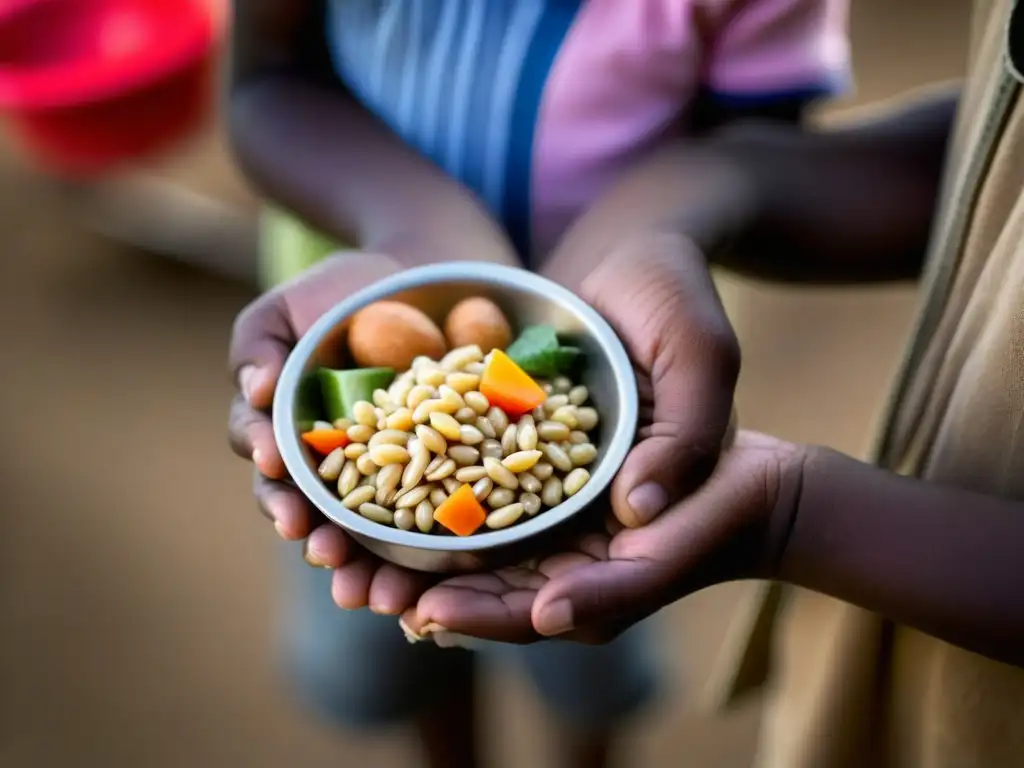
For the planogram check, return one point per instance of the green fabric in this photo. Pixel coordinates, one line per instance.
(288, 247)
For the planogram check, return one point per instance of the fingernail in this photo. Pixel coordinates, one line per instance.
(556, 619)
(281, 531)
(383, 609)
(312, 560)
(411, 635)
(246, 380)
(647, 502)
(446, 639)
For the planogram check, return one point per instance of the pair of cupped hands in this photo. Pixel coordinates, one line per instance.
(693, 504)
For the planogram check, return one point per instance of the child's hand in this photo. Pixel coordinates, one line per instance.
(264, 334)
(733, 527)
(658, 294)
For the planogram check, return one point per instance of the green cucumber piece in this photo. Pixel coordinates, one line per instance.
(341, 390)
(534, 340)
(538, 352)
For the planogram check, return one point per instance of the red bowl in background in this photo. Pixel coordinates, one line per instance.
(92, 84)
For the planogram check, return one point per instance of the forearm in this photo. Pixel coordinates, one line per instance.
(849, 205)
(780, 202)
(943, 560)
(323, 156)
(309, 146)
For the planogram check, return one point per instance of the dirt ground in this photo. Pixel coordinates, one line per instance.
(138, 593)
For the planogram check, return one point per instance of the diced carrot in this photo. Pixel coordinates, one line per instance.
(461, 513)
(509, 387)
(323, 441)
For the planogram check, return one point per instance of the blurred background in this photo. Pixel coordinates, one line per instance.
(137, 599)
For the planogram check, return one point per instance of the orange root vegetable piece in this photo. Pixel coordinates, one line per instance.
(477, 321)
(461, 513)
(323, 441)
(390, 334)
(509, 387)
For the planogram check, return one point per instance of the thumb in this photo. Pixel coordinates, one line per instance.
(723, 531)
(599, 594)
(266, 330)
(668, 463)
(659, 296)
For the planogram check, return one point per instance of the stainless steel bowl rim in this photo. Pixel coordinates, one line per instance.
(616, 443)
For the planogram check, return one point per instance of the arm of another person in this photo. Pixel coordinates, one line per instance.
(762, 194)
(779, 202)
(938, 558)
(308, 145)
(941, 559)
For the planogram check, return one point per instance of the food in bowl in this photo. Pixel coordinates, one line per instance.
(444, 438)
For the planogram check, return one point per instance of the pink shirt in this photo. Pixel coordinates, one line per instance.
(537, 105)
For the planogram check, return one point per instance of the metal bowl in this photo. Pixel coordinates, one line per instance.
(526, 299)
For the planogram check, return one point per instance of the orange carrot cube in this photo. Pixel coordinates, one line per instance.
(461, 513)
(509, 387)
(323, 441)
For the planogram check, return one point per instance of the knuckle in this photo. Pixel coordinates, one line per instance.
(238, 411)
(261, 505)
(239, 420)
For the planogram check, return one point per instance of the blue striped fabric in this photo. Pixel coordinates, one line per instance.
(460, 80)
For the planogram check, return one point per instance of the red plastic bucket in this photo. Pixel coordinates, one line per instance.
(92, 84)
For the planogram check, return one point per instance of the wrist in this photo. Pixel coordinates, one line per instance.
(417, 248)
(691, 190)
(790, 470)
(719, 198)
(452, 228)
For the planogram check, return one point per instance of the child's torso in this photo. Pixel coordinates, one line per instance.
(535, 105)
